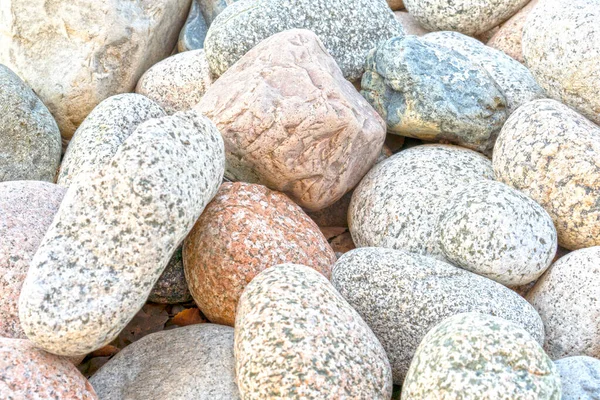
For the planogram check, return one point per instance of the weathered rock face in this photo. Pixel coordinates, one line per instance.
(194, 30)
(195, 362)
(476, 356)
(399, 201)
(102, 133)
(427, 91)
(566, 297)
(244, 230)
(580, 377)
(556, 28)
(178, 82)
(30, 373)
(171, 287)
(115, 232)
(348, 29)
(311, 344)
(493, 230)
(29, 137)
(26, 211)
(552, 154)
(74, 59)
(313, 140)
(471, 17)
(402, 295)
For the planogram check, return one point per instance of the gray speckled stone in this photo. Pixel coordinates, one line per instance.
(116, 231)
(194, 30)
(191, 363)
(471, 17)
(552, 154)
(580, 377)
(493, 230)
(567, 298)
(561, 46)
(102, 133)
(474, 356)
(171, 287)
(212, 8)
(431, 92)
(397, 204)
(514, 79)
(296, 337)
(30, 143)
(402, 295)
(348, 29)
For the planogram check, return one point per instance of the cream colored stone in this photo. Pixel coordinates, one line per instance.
(411, 26)
(508, 37)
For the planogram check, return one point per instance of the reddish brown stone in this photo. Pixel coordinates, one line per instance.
(343, 243)
(244, 230)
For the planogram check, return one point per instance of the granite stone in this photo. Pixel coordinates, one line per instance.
(580, 377)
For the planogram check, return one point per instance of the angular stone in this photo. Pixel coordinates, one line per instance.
(402, 295)
(566, 297)
(244, 230)
(561, 47)
(313, 139)
(476, 356)
(431, 92)
(102, 133)
(195, 362)
(410, 25)
(76, 53)
(178, 82)
(171, 287)
(471, 17)
(493, 230)
(580, 377)
(348, 29)
(30, 143)
(115, 232)
(26, 212)
(310, 344)
(399, 201)
(194, 30)
(212, 8)
(543, 136)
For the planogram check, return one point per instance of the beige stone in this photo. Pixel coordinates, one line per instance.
(508, 37)
(396, 5)
(410, 25)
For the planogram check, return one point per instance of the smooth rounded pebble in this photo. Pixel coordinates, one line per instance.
(470, 17)
(116, 231)
(178, 82)
(552, 154)
(29, 373)
(26, 212)
(191, 363)
(402, 295)
(561, 47)
(296, 337)
(244, 230)
(493, 230)
(474, 356)
(580, 377)
(566, 297)
(30, 143)
(171, 287)
(397, 204)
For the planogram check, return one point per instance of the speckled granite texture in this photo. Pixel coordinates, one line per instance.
(580, 377)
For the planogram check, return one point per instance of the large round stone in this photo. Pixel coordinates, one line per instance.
(580, 377)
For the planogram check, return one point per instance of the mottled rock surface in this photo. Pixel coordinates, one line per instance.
(310, 344)
(171, 287)
(212, 8)
(493, 230)
(508, 37)
(561, 47)
(471, 17)
(76, 53)
(474, 356)
(552, 154)
(178, 82)
(402, 295)
(566, 297)
(427, 91)
(410, 25)
(195, 362)
(102, 133)
(580, 377)
(244, 230)
(313, 140)
(115, 233)
(29, 137)
(30, 373)
(26, 211)
(398, 203)
(194, 30)
(348, 29)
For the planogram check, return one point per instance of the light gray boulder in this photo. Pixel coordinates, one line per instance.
(580, 377)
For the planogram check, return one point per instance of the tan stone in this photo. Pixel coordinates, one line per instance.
(410, 25)
(246, 229)
(508, 37)
(290, 121)
(396, 5)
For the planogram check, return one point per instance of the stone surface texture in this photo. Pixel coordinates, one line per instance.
(171, 287)
(211, 8)
(580, 377)
(194, 30)
(396, 4)
(410, 25)
(508, 37)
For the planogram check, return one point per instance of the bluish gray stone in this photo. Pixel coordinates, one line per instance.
(211, 8)
(580, 377)
(194, 30)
